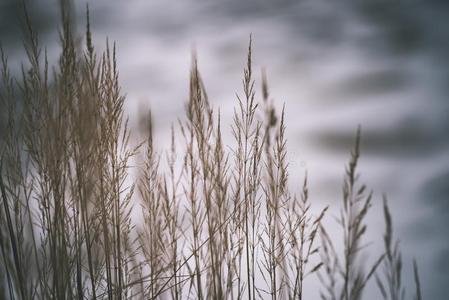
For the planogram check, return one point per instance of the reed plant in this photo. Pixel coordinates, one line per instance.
(86, 215)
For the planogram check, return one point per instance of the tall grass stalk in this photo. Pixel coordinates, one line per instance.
(345, 276)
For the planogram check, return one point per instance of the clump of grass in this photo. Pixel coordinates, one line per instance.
(207, 221)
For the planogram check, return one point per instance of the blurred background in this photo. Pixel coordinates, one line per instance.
(382, 64)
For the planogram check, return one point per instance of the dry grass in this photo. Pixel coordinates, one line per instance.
(201, 222)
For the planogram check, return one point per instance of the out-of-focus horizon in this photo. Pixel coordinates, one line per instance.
(381, 64)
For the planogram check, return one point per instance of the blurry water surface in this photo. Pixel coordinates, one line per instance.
(382, 64)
